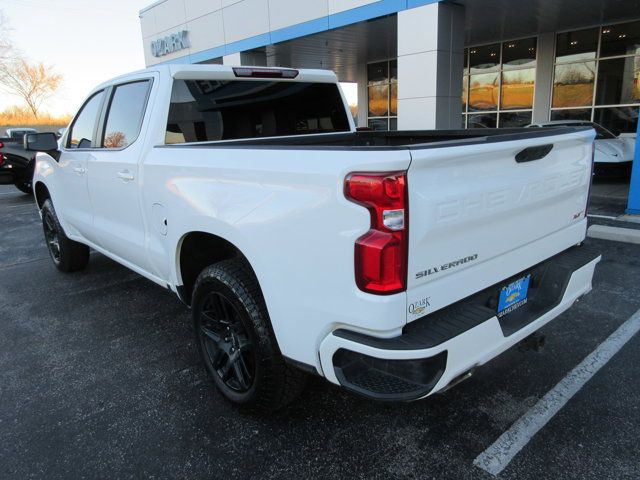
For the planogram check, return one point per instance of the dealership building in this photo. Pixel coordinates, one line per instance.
(424, 64)
(428, 64)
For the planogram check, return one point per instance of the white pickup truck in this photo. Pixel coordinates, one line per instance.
(391, 263)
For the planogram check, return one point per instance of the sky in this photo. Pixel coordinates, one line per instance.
(87, 41)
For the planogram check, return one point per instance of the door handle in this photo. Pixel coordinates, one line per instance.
(79, 170)
(125, 175)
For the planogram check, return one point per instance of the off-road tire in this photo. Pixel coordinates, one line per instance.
(275, 383)
(69, 256)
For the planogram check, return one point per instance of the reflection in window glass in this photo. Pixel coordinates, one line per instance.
(617, 119)
(572, 114)
(465, 92)
(393, 109)
(377, 73)
(484, 58)
(382, 93)
(378, 100)
(483, 91)
(573, 84)
(393, 124)
(517, 89)
(378, 124)
(618, 81)
(576, 46)
(393, 71)
(519, 53)
(514, 119)
(484, 120)
(85, 123)
(125, 114)
(623, 39)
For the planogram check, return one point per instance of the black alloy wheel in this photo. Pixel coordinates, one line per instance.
(229, 349)
(52, 236)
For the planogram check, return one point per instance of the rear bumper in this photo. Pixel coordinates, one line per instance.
(434, 351)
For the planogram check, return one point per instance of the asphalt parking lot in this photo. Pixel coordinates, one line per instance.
(99, 377)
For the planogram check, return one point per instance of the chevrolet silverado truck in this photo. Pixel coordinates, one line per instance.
(390, 263)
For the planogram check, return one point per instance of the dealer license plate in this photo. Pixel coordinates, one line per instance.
(513, 296)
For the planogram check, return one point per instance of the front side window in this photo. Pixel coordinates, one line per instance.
(125, 114)
(209, 110)
(82, 130)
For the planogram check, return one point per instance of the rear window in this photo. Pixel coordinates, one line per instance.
(206, 110)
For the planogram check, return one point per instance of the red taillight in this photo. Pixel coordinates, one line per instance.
(1, 145)
(254, 72)
(381, 253)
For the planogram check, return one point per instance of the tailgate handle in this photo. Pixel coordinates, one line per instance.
(530, 154)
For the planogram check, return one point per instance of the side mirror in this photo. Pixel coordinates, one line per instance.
(40, 142)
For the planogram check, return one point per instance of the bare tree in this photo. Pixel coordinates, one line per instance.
(33, 82)
(7, 49)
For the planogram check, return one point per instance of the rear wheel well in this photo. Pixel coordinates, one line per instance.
(42, 193)
(198, 250)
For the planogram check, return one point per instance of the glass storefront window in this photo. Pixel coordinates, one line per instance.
(393, 71)
(379, 124)
(377, 73)
(519, 54)
(465, 92)
(517, 89)
(393, 104)
(379, 100)
(573, 84)
(618, 81)
(483, 91)
(499, 77)
(515, 119)
(622, 39)
(577, 46)
(572, 114)
(382, 93)
(608, 85)
(484, 120)
(484, 58)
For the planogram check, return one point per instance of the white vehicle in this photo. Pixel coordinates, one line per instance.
(609, 148)
(391, 263)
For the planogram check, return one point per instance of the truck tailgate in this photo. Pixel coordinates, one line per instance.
(478, 216)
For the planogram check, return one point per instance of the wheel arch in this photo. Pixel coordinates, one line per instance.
(42, 193)
(197, 250)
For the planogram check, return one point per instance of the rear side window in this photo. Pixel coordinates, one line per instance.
(205, 110)
(126, 111)
(82, 130)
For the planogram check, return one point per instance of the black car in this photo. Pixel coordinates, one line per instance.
(16, 164)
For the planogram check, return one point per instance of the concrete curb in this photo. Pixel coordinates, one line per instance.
(616, 234)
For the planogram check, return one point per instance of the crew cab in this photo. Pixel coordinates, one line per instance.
(391, 263)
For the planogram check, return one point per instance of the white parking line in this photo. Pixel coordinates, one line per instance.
(495, 458)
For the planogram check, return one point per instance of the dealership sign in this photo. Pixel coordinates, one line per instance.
(169, 44)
